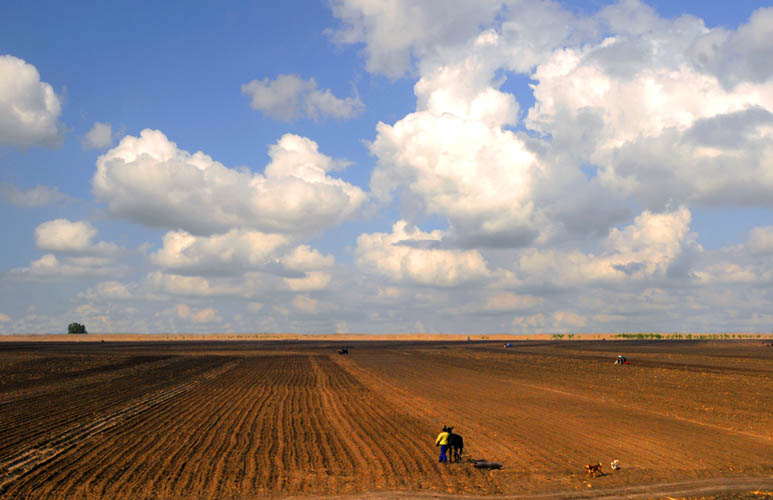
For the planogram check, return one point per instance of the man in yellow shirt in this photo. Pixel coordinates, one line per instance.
(442, 441)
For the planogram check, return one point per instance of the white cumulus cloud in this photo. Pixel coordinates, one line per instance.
(642, 106)
(107, 290)
(313, 280)
(395, 32)
(305, 258)
(49, 267)
(654, 246)
(406, 256)
(666, 111)
(761, 240)
(148, 179)
(208, 315)
(185, 312)
(39, 196)
(745, 54)
(175, 284)
(290, 97)
(481, 178)
(29, 108)
(233, 254)
(79, 256)
(228, 253)
(508, 301)
(558, 321)
(63, 235)
(305, 304)
(99, 137)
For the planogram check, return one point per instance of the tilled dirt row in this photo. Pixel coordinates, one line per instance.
(46, 450)
(32, 415)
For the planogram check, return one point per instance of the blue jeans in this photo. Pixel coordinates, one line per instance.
(443, 449)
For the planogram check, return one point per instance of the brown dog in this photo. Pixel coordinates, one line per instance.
(593, 470)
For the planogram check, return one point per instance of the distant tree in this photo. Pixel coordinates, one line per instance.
(76, 328)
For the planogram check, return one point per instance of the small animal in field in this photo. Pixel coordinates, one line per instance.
(594, 470)
(343, 350)
(455, 445)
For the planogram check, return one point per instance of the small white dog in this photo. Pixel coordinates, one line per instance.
(615, 465)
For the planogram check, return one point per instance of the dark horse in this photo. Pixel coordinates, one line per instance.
(455, 445)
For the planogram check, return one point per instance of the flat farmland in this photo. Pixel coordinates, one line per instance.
(263, 419)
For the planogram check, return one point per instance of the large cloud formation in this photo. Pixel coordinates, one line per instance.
(148, 179)
(558, 158)
(650, 250)
(456, 160)
(632, 114)
(656, 109)
(29, 108)
(644, 107)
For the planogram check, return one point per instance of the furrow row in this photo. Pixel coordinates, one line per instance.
(65, 449)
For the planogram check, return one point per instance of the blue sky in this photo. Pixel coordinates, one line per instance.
(462, 166)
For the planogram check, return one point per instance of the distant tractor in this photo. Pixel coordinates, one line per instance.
(621, 360)
(343, 350)
(509, 344)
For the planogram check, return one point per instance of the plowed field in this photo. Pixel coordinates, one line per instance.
(248, 420)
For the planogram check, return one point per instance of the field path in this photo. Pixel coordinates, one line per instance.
(752, 487)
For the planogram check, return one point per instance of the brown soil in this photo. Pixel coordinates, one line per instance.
(291, 418)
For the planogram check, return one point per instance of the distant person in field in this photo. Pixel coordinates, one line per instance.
(442, 441)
